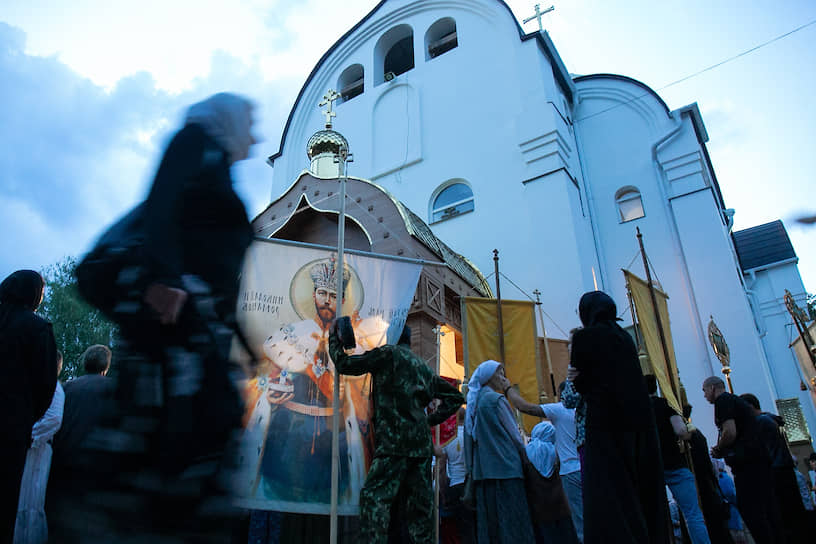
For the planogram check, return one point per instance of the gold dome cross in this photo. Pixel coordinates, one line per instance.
(328, 100)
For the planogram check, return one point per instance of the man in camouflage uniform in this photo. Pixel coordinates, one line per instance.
(402, 387)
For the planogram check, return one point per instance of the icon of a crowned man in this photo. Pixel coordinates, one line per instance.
(291, 420)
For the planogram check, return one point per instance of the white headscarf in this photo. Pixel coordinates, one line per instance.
(227, 119)
(481, 376)
(541, 449)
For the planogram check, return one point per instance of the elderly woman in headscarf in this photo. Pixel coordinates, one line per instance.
(175, 304)
(550, 511)
(624, 491)
(493, 451)
(28, 377)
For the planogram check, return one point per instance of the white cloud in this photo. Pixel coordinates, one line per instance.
(74, 156)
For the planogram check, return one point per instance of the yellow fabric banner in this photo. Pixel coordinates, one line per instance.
(666, 374)
(482, 337)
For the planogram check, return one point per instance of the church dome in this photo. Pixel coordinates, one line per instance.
(327, 141)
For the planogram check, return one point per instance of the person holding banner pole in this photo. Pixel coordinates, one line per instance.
(493, 452)
(403, 386)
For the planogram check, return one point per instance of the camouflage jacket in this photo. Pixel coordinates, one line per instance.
(402, 387)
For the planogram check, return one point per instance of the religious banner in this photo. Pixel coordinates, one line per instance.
(482, 343)
(666, 373)
(286, 305)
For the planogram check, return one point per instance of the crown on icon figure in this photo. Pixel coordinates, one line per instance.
(324, 275)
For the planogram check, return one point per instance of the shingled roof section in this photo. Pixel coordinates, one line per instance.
(763, 245)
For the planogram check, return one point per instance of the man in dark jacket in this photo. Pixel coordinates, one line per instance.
(670, 429)
(782, 467)
(88, 401)
(740, 446)
(402, 387)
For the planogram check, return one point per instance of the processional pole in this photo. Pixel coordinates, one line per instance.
(537, 294)
(665, 347)
(439, 334)
(499, 305)
(659, 322)
(341, 159)
(800, 322)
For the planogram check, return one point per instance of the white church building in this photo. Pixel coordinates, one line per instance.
(479, 128)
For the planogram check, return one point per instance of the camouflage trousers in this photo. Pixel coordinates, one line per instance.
(405, 484)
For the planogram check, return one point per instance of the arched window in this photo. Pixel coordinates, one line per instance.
(630, 205)
(440, 38)
(350, 82)
(454, 199)
(394, 53)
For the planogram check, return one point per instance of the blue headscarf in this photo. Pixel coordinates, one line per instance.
(541, 449)
(480, 376)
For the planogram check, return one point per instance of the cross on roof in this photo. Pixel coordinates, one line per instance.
(328, 100)
(538, 14)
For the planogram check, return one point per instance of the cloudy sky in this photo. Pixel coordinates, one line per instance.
(91, 91)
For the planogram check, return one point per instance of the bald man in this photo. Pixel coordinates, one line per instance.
(739, 444)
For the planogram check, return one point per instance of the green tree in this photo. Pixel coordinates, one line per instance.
(76, 324)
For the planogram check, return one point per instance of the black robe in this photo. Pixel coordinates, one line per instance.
(715, 512)
(624, 489)
(28, 377)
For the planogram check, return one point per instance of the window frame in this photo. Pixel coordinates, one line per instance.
(434, 209)
(625, 195)
(433, 35)
(343, 76)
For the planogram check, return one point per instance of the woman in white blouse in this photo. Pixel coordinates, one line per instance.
(31, 526)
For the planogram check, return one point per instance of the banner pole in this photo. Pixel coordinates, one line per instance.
(537, 294)
(335, 465)
(439, 334)
(658, 321)
(499, 306)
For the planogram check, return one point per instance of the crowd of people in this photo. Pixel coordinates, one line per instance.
(146, 456)
(631, 468)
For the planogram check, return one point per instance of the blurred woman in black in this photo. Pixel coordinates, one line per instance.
(178, 257)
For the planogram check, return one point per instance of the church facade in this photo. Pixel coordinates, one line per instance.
(481, 130)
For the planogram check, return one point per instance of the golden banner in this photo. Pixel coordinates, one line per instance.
(666, 374)
(482, 343)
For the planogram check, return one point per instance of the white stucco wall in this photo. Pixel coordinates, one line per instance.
(766, 287)
(489, 112)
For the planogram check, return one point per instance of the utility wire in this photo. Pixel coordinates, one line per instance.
(709, 68)
(533, 301)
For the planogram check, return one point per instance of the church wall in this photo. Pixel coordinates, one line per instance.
(720, 293)
(617, 152)
(682, 162)
(777, 331)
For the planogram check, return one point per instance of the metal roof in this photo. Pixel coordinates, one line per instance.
(763, 245)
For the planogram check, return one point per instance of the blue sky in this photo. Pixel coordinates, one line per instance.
(91, 93)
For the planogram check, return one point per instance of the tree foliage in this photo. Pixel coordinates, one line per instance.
(76, 324)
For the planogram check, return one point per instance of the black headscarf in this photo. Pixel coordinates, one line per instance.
(21, 290)
(597, 307)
